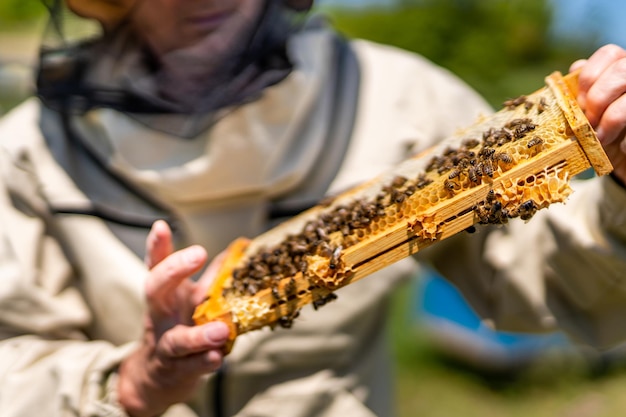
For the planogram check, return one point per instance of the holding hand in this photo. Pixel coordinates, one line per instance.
(602, 96)
(174, 354)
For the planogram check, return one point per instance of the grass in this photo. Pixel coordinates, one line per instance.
(431, 384)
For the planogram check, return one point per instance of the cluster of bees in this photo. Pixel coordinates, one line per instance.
(326, 236)
(491, 210)
(468, 163)
(477, 159)
(319, 236)
(337, 228)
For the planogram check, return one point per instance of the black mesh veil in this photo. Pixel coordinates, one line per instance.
(181, 90)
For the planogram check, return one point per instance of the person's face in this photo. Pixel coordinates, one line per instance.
(168, 25)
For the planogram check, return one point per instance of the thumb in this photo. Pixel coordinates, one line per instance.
(576, 65)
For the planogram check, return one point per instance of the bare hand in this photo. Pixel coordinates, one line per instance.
(174, 354)
(602, 95)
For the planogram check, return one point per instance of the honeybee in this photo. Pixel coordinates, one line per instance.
(435, 163)
(362, 222)
(324, 300)
(291, 286)
(470, 143)
(334, 260)
(239, 273)
(542, 105)
(286, 322)
(528, 105)
(491, 196)
(497, 214)
(487, 167)
(449, 151)
(450, 186)
(481, 213)
(472, 174)
(527, 209)
(422, 181)
(297, 247)
(506, 133)
(410, 190)
(522, 129)
(443, 168)
(489, 137)
(513, 103)
(458, 160)
(290, 269)
(486, 152)
(252, 288)
(536, 141)
(325, 250)
(275, 293)
(504, 136)
(504, 157)
(398, 181)
(518, 122)
(455, 173)
(321, 233)
(267, 281)
(259, 270)
(479, 170)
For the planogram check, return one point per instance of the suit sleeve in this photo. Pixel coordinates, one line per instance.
(563, 269)
(48, 365)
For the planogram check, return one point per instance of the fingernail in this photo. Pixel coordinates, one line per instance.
(216, 332)
(194, 255)
(600, 134)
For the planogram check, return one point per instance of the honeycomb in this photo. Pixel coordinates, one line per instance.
(507, 165)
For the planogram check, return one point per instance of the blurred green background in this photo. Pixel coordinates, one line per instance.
(503, 48)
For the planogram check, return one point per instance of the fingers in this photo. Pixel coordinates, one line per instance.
(181, 341)
(196, 349)
(612, 122)
(154, 377)
(167, 275)
(616, 152)
(158, 244)
(597, 63)
(605, 92)
(576, 65)
(602, 80)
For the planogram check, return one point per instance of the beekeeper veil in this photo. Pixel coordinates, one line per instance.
(174, 65)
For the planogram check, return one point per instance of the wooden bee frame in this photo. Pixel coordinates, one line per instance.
(506, 165)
